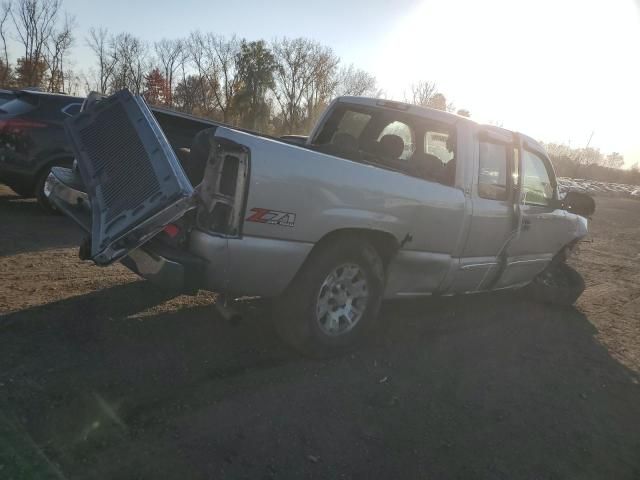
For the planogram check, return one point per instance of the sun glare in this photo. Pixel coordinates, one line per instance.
(555, 70)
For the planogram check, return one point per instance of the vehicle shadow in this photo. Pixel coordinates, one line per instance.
(27, 228)
(491, 386)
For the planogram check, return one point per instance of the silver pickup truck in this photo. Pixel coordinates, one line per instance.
(381, 200)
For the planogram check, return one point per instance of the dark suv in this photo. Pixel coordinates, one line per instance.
(32, 139)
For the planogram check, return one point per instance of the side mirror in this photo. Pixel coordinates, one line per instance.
(579, 203)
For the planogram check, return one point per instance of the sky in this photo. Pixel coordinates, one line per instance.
(557, 70)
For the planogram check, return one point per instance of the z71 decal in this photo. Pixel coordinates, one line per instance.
(273, 217)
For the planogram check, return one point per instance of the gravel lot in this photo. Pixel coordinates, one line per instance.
(104, 377)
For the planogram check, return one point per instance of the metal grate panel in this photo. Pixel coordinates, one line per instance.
(120, 161)
(129, 168)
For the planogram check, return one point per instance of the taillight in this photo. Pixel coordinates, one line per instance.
(172, 230)
(19, 124)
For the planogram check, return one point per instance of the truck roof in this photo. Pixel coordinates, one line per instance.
(438, 115)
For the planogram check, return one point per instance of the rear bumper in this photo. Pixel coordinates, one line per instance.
(167, 268)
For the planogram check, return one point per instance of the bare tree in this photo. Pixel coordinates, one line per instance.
(106, 56)
(294, 73)
(225, 53)
(613, 160)
(72, 82)
(206, 76)
(426, 94)
(422, 93)
(56, 51)
(215, 59)
(356, 82)
(5, 74)
(35, 22)
(132, 63)
(172, 53)
(324, 81)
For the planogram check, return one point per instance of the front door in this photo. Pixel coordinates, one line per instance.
(539, 235)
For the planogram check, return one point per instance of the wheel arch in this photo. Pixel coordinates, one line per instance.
(385, 243)
(53, 159)
(40, 180)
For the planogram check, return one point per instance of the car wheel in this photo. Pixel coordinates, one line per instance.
(42, 199)
(559, 284)
(334, 300)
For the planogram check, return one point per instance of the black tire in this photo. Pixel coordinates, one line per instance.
(22, 191)
(559, 285)
(296, 312)
(42, 199)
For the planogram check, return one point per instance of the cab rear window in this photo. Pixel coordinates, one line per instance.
(353, 123)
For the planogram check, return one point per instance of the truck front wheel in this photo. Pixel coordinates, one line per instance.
(559, 284)
(334, 299)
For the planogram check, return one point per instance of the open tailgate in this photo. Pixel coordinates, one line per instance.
(134, 180)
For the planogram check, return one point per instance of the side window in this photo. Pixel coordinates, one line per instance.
(19, 106)
(536, 183)
(403, 131)
(492, 174)
(72, 109)
(436, 143)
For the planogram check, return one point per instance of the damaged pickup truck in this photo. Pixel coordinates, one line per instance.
(382, 200)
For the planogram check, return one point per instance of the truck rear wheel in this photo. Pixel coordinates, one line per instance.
(559, 284)
(334, 299)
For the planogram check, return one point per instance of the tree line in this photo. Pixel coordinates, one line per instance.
(44, 35)
(591, 163)
(279, 86)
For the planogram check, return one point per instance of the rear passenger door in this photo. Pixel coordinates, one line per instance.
(492, 222)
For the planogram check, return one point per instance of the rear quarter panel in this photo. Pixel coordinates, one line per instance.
(326, 194)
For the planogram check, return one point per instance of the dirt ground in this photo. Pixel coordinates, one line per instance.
(104, 377)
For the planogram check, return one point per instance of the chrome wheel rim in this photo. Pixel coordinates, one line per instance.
(342, 300)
